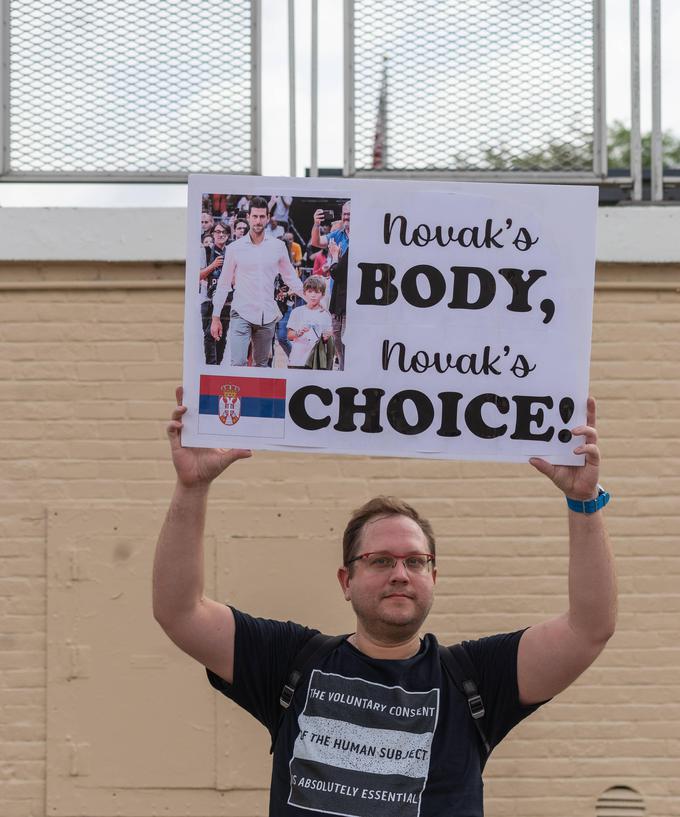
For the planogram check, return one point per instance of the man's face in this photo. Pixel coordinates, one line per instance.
(345, 216)
(392, 605)
(240, 229)
(257, 220)
(219, 236)
(206, 222)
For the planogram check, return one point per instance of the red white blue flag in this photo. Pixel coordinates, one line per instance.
(242, 406)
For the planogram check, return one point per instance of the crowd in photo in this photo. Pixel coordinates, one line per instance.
(273, 280)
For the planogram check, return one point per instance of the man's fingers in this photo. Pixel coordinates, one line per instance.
(589, 432)
(592, 453)
(591, 412)
(234, 454)
(173, 430)
(174, 427)
(543, 466)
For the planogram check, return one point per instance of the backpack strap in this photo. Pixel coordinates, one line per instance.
(462, 672)
(310, 655)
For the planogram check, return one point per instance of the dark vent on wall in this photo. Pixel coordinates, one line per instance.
(620, 801)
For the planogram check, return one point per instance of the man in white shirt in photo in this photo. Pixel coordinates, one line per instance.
(251, 265)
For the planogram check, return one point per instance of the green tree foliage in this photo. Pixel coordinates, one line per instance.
(574, 153)
(559, 154)
(618, 141)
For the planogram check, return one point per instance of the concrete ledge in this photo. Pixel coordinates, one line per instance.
(628, 235)
(112, 234)
(633, 235)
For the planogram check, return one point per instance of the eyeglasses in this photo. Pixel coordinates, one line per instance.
(381, 562)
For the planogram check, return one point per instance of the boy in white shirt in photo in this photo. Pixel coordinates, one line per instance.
(308, 323)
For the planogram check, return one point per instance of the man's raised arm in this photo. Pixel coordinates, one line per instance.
(553, 654)
(201, 627)
(316, 239)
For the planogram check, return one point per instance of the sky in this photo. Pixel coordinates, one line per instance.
(275, 102)
(275, 65)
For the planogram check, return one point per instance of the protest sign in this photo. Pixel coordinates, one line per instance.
(423, 319)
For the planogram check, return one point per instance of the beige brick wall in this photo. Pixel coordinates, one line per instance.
(89, 358)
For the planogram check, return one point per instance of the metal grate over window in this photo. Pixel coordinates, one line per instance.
(473, 85)
(120, 87)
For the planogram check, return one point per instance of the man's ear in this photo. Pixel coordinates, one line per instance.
(343, 578)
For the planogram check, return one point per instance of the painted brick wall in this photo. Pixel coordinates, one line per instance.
(88, 365)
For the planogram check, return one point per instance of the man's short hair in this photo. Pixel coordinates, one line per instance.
(259, 203)
(315, 283)
(381, 507)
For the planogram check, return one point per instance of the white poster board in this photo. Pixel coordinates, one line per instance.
(466, 328)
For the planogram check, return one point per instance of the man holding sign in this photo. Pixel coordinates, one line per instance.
(378, 727)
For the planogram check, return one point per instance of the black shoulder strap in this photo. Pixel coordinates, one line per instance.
(318, 646)
(462, 672)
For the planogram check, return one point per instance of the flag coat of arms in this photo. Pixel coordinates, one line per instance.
(229, 406)
(242, 406)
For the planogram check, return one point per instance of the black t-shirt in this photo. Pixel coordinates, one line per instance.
(367, 737)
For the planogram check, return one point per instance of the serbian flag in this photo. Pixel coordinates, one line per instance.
(242, 406)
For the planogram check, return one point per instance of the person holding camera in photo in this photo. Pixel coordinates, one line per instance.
(337, 243)
(208, 277)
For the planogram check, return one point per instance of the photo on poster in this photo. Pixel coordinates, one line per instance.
(271, 276)
(455, 324)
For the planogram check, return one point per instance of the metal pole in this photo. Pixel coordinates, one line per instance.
(348, 169)
(255, 88)
(599, 91)
(291, 86)
(657, 145)
(385, 142)
(314, 164)
(4, 87)
(635, 136)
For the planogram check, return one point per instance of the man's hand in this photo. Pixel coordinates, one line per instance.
(207, 271)
(577, 481)
(318, 217)
(215, 327)
(197, 466)
(333, 251)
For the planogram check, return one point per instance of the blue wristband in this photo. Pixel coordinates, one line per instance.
(589, 505)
